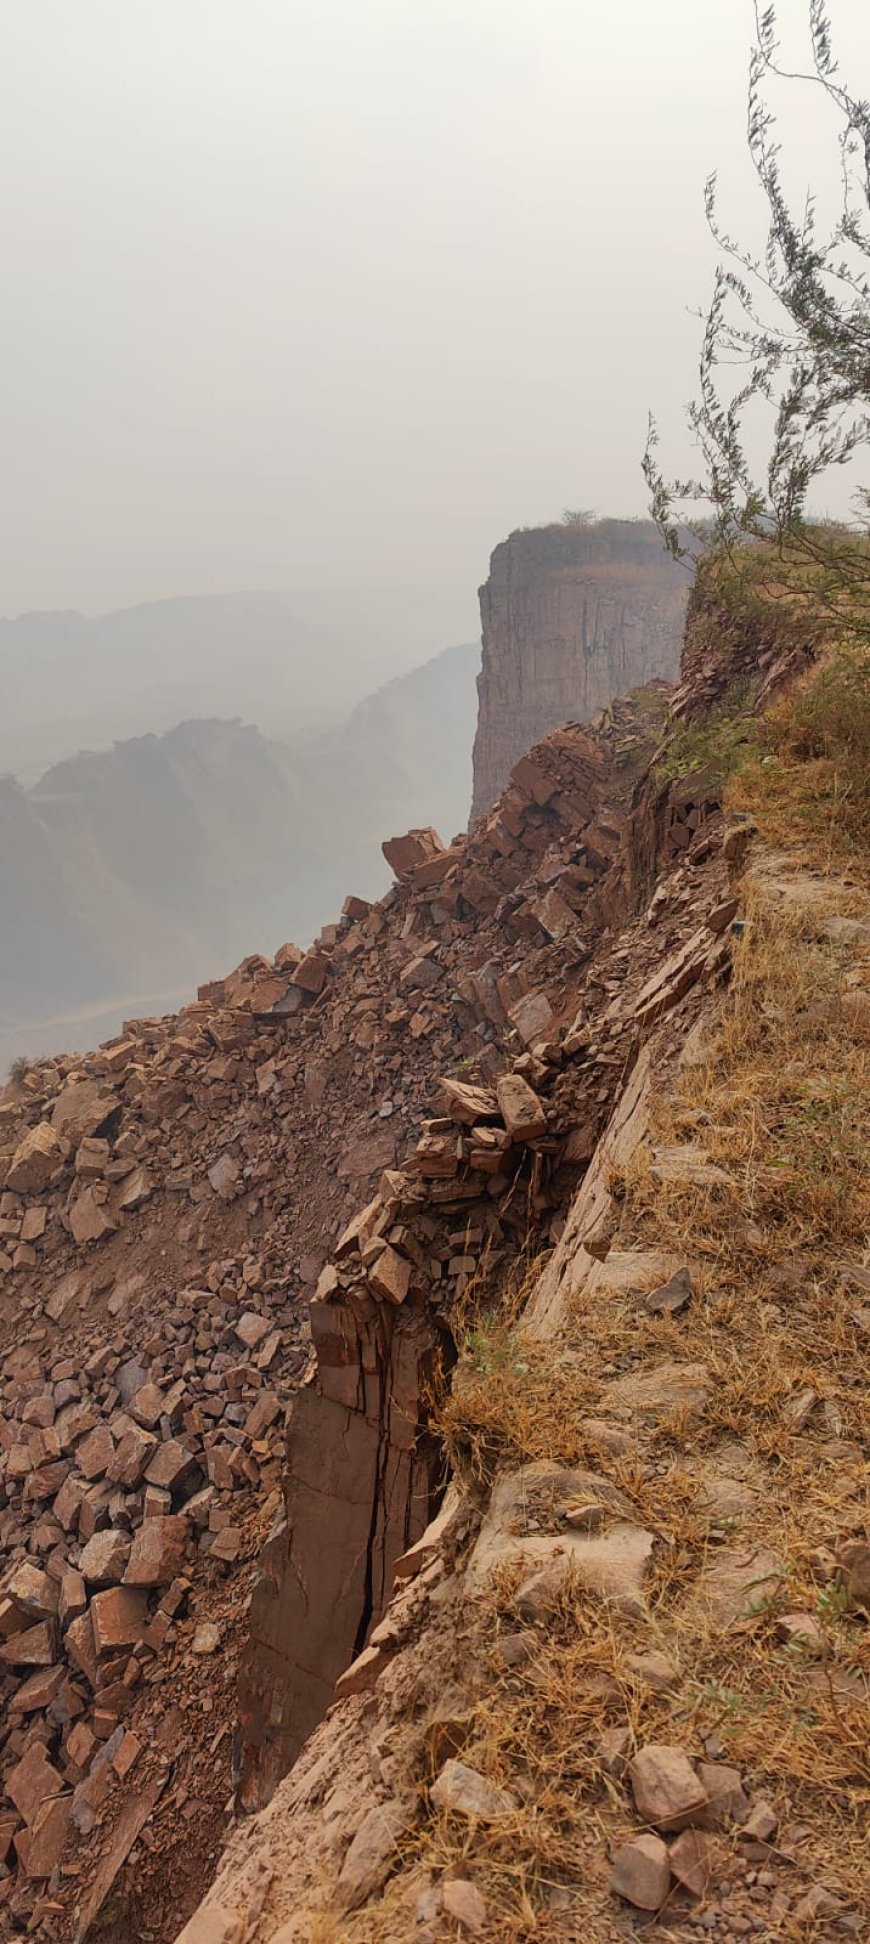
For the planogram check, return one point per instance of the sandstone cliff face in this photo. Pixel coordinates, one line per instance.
(571, 617)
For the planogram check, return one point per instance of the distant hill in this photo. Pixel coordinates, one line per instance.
(408, 747)
(131, 874)
(294, 662)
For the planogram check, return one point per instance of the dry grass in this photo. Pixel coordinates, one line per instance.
(807, 775)
(513, 1401)
(537, 1731)
(782, 1106)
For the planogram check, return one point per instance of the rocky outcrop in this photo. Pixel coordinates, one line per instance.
(290, 1200)
(363, 1467)
(406, 1711)
(571, 616)
(173, 1210)
(361, 1477)
(551, 1621)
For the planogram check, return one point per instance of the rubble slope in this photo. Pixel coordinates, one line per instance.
(622, 1680)
(508, 1186)
(169, 1204)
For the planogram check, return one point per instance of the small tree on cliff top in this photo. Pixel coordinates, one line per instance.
(794, 324)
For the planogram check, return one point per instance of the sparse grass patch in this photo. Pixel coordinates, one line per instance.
(809, 776)
(536, 1732)
(717, 745)
(512, 1401)
(782, 1105)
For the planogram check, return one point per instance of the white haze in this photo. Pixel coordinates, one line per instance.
(332, 296)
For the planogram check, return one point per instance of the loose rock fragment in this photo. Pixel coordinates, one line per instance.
(464, 1903)
(523, 1113)
(690, 1863)
(724, 1786)
(853, 1569)
(673, 1296)
(462, 1791)
(642, 1873)
(390, 1276)
(761, 1824)
(665, 1786)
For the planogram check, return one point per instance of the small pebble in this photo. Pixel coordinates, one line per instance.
(207, 1638)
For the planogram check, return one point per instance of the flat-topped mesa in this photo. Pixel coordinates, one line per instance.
(572, 615)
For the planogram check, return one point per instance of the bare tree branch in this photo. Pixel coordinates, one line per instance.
(795, 321)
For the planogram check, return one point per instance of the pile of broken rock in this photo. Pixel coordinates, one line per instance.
(169, 1205)
(117, 1478)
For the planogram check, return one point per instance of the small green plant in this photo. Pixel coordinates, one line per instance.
(727, 1704)
(832, 1601)
(716, 747)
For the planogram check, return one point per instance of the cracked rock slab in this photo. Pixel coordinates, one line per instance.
(611, 1562)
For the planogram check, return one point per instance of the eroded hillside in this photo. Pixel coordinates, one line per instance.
(540, 1187)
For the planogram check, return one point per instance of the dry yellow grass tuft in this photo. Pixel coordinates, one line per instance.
(807, 778)
(513, 1401)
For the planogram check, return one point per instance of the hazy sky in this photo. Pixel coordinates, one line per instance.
(337, 293)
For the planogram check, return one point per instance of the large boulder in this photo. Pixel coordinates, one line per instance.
(35, 1160)
(84, 1108)
(404, 854)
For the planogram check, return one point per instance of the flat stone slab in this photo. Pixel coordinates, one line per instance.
(611, 1560)
(657, 1393)
(738, 1584)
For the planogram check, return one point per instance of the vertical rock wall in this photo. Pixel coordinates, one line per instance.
(571, 617)
(361, 1478)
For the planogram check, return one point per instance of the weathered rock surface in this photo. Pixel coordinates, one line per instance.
(666, 1787)
(571, 616)
(642, 1872)
(461, 1791)
(490, 1615)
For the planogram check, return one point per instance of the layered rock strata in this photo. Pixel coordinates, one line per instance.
(571, 616)
(370, 1134)
(551, 1657)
